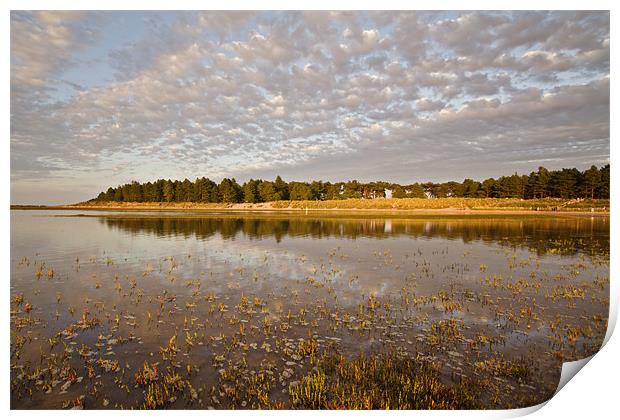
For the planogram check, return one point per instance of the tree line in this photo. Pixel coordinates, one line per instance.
(544, 183)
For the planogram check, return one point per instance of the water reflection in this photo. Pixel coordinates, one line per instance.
(239, 292)
(563, 236)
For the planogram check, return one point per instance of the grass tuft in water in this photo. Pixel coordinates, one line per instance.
(381, 382)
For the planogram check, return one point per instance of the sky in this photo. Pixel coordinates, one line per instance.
(100, 99)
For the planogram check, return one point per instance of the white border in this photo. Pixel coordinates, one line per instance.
(592, 395)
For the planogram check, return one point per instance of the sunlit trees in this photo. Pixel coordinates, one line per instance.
(267, 191)
(333, 191)
(184, 190)
(132, 192)
(250, 191)
(318, 189)
(352, 189)
(415, 191)
(149, 192)
(108, 195)
(603, 188)
(512, 186)
(591, 181)
(168, 191)
(564, 183)
(398, 191)
(489, 188)
(281, 188)
(407, 191)
(300, 191)
(230, 191)
(540, 183)
(208, 191)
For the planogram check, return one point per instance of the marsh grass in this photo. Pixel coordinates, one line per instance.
(519, 369)
(386, 381)
(547, 204)
(458, 203)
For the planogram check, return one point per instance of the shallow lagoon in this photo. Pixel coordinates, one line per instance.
(233, 310)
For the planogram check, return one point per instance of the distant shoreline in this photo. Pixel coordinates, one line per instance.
(312, 208)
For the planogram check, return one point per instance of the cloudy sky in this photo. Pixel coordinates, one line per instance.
(99, 99)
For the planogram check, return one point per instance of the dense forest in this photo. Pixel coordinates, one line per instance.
(564, 183)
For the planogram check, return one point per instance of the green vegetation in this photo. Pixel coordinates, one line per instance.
(381, 382)
(566, 184)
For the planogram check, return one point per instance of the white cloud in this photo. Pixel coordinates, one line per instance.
(312, 94)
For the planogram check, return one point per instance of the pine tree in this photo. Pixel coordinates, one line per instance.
(592, 179)
(281, 188)
(168, 191)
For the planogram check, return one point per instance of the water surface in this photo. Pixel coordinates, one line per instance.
(108, 292)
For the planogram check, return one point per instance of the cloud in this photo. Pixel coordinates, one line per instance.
(332, 95)
(42, 44)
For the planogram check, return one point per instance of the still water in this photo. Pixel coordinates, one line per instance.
(98, 299)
